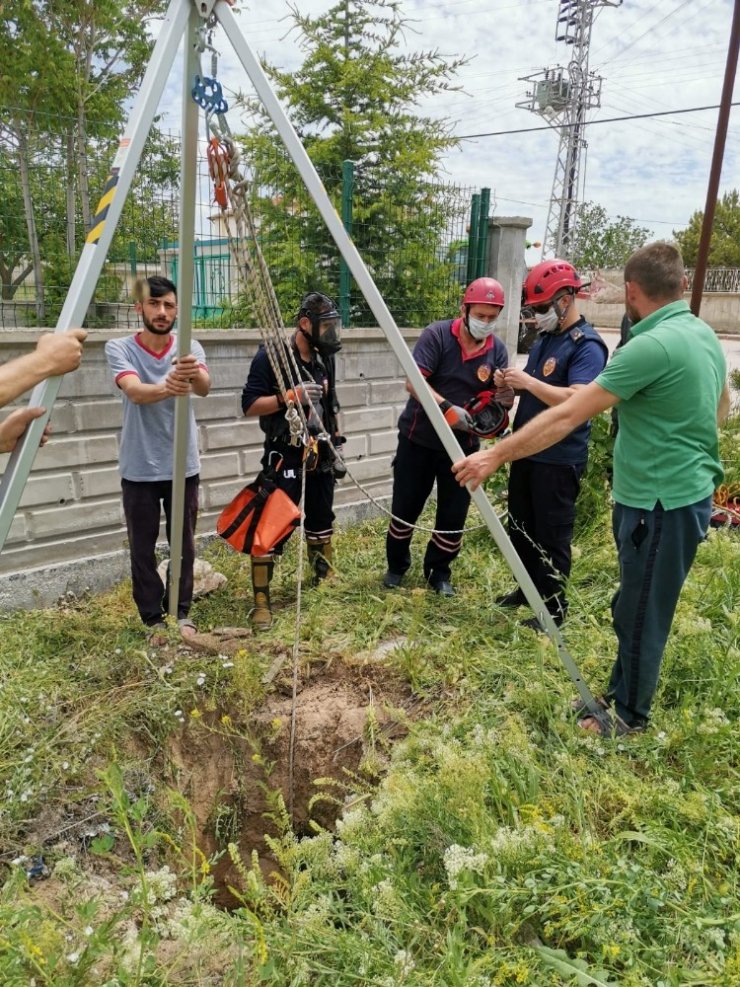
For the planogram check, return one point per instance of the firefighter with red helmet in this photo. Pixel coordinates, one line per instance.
(459, 359)
(543, 488)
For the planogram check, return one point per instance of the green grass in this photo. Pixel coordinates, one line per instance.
(500, 847)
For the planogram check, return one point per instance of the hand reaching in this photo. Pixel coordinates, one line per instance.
(16, 424)
(456, 417)
(309, 392)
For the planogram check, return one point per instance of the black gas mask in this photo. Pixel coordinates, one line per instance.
(326, 323)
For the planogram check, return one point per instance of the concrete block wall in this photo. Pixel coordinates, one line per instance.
(68, 533)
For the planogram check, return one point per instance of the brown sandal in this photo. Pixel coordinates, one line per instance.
(611, 726)
(156, 635)
(187, 627)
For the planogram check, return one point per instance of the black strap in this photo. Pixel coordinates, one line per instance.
(257, 501)
(262, 487)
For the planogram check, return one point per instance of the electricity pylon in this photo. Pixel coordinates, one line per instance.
(562, 97)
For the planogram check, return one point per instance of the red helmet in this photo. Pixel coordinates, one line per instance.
(484, 291)
(547, 278)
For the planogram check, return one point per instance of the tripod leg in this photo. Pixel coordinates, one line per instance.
(96, 247)
(188, 182)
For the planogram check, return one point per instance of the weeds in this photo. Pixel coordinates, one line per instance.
(494, 846)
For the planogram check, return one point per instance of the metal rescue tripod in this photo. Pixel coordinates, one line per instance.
(188, 18)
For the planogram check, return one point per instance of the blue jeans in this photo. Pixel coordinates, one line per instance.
(656, 550)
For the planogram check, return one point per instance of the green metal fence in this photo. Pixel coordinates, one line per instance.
(419, 240)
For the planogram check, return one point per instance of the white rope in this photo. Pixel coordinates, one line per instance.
(296, 653)
(393, 517)
(278, 347)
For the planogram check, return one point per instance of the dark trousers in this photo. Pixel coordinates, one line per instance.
(319, 502)
(142, 505)
(415, 470)
(542, 511)
(656, 550)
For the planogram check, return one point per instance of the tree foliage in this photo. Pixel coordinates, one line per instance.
(724, 244)
(601, 243)
(67, 70)
(353, 99)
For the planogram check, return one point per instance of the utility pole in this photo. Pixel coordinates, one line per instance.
(562, 97)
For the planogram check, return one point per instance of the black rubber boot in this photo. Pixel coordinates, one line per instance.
(261, 615)
(320, 557)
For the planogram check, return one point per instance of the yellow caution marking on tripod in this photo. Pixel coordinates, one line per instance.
(103, 206)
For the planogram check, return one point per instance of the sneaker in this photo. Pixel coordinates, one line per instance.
(392, 580)
(513, 599)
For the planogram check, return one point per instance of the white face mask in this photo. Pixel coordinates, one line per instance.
(548, 322)
(479, 329)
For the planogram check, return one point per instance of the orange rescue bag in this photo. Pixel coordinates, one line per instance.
(258, 518)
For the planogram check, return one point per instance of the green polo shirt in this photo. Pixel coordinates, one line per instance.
(669, 379)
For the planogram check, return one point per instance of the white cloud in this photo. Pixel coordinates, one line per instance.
(653, 57)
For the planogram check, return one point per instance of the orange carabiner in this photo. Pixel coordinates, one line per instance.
(218, 169)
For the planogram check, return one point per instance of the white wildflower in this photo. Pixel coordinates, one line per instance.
(317, 914)
(404, 962)
(459, 859)
(346, 857)
(716, 938)
(350, 820)
(713, 721)
(161, 885)
(386, 902)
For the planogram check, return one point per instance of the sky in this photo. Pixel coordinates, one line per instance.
(651, 56)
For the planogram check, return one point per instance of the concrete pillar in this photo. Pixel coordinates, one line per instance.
(507, 236)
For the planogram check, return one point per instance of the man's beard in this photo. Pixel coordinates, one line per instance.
(148, 324)
(632, 315)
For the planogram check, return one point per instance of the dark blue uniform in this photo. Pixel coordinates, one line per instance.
(421, 459)
(319, 502)
(544, 487)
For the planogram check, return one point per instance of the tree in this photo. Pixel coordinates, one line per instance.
(601, 243)
(67, 68)
(724, 244)
(107, 46)
(31, 61)
(353, 100)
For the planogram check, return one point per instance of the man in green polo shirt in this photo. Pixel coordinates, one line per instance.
(671, 386)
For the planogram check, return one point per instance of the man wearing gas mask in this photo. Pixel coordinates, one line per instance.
(459, 358)
(543, 488)
(315, 341)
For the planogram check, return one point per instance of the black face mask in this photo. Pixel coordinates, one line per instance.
(326, 331)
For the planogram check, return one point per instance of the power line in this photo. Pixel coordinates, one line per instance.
(591, 123)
